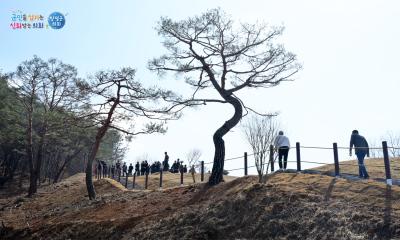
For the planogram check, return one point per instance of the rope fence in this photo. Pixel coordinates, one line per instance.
(125, 180)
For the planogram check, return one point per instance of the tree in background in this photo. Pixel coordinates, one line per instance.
(213, 52)
(39, 105)
(12, 134)
(393, 141)
(119, 98)
(46, 89)
(260, 133)
(30, 75)
(193, 156)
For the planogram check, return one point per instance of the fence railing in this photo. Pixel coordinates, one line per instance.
(116, 174)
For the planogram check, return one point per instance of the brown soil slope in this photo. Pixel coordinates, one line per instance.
(288, 206)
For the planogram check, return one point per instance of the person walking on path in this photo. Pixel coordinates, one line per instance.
(282, 144)
(361, 149)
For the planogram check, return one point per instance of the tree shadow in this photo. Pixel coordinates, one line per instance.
(292, 177)
(387, 218)
(330, 189)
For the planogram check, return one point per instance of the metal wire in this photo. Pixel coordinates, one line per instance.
(314, 162)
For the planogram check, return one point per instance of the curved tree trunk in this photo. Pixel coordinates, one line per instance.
(219, 144)
(89, 169)
(92, 156)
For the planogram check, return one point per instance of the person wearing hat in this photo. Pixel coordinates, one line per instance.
(361, 149)
(282, 144)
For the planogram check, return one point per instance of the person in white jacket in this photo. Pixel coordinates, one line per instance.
(282, 145)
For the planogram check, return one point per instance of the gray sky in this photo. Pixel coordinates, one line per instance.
(349, 51)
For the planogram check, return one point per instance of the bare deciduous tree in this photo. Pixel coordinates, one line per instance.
(193, 156)
(260, 133)
(393, 140)
(214, 52)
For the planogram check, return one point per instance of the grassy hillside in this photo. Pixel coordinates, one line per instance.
(375, 167)
(288, 206)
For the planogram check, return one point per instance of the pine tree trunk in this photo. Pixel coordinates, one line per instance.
(89, 179)
(100, 134)
(29, 152)
(219, 144)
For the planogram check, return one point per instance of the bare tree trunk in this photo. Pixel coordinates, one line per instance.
(219, 144)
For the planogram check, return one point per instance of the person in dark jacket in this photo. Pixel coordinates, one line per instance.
(137, 168)
(124, 169)
(165, 162)
(142, 168)
(130, 169)
(361, 149)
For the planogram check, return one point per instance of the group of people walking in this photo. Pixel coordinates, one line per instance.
(281, 144)
(360, 144)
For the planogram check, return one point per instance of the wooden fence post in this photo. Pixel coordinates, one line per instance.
(202, 171)
(336, 159)
(181, 171)
(298, 158)
(146, 180)
(126, 180)
(161, 173)
(245, 163)
(134, 180)
(271, 157)
(387, 163)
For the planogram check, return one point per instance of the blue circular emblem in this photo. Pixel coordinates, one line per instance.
(56, 20)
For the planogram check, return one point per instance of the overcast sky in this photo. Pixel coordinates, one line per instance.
(349, 50)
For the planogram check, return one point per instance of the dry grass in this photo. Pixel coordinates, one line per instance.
(375, 167)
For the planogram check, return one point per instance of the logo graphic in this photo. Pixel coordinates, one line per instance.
(20, 20)
(56, 20)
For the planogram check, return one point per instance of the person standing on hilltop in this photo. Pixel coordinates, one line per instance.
(165, 162)
(361, 149)
(130, 169)
(282, 144)
(137, 168)
(124, 169)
